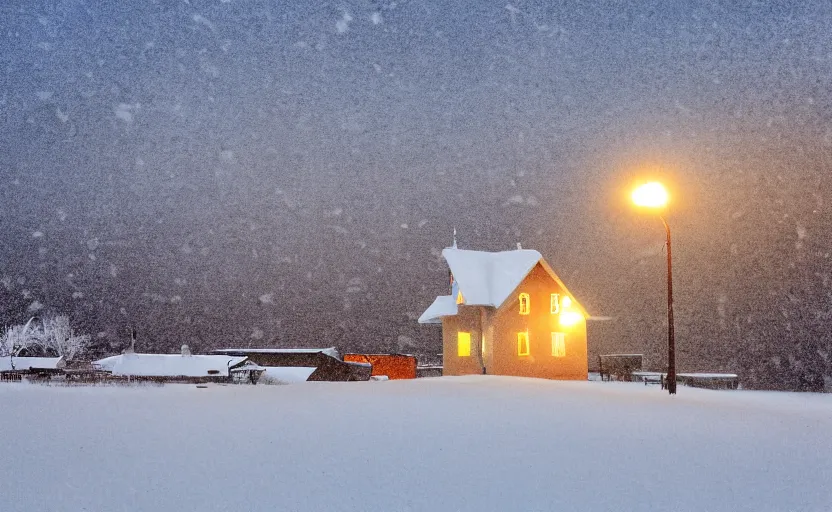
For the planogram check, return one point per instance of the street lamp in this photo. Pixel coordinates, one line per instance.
(653, 195)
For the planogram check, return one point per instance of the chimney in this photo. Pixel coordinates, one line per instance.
(132, 348)
(186, 351)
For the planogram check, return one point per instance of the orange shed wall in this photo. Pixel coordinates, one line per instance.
(508, 321)
(467, 319)
(394, 366)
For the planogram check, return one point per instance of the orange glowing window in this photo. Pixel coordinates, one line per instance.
(463, 344)
(525, 304)
(558, 344)
(459, 298)
(554, 303)
(522, 343)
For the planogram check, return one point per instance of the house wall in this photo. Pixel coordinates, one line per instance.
(467, 319)
(540, 323)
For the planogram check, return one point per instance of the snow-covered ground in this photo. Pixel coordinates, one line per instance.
(467, 443)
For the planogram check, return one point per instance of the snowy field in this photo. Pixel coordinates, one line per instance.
(469, 443)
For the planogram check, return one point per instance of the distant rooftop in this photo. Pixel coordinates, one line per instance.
(331, 351)
(168, 365)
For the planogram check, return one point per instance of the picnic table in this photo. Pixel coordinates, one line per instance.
(696, 380)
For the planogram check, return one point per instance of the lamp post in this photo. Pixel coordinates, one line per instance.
(653, 195)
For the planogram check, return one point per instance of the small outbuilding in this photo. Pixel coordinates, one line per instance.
(326, 363)
(248, 372)
(172, 367)
(32, 364)
(13, 368)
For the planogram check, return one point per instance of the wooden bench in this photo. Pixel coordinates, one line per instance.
(653, 380)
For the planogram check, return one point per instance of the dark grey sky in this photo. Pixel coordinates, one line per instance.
(286, 172)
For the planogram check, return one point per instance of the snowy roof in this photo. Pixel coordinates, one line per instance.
(36, 363)
(444, 305)
(331, 351)
(107, 363)
(169, 365)
(488, 278)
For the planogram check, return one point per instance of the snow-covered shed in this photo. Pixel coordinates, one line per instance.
(249, 372)
(508, 313)
(171, 367)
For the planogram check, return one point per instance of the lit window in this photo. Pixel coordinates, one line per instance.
(554, 303)
(558, 344)
(459, 298)
(482, 345)
(522, 343)
(566, 302)
(463, 344)
(524, 304)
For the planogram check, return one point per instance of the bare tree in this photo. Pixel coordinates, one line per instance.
(60, 338)
(53, 336)
(16, 337)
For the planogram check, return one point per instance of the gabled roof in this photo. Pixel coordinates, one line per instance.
(169, 365)
(444, 305)
(488, 278)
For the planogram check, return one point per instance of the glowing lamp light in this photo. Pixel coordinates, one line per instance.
(651, 195)
(570, 318)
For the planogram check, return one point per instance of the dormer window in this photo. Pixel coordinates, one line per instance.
(554, 303)
(459, 298)
(525, 304)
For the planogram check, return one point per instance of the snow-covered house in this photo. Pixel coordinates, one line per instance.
(172, 367)
(509, 314)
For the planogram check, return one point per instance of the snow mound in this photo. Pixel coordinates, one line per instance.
(285, 374)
